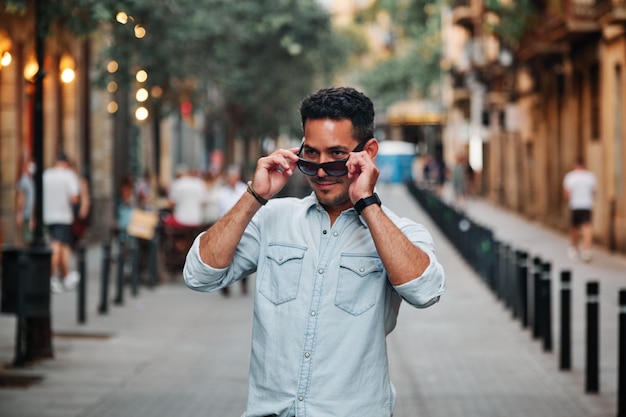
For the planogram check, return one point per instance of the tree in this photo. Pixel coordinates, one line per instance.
(263, 57)
(415, 67)
(258, 57)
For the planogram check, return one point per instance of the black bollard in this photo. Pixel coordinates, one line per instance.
(494, 272)
(513, 290)
(565, 359)
(546, 306)
(522, 286)
(536, 297)
(82, 286)
(592, 382)
(134, 263)
(621, 375)
(119, 281)
(502, 273)
(104, 279)
(153, 261)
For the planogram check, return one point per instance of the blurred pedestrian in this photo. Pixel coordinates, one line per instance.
(187, 196)
(232, 189)
(81, 209)
(24, 213)
(61, 190)
(332, 268)
(230, 192)
(124, 205)
(212, 184)
(143, 191)
(580, 186)
(459, 181)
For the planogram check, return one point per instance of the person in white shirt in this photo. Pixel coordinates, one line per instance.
(61, 190)
(579, 187)
(232, 189)
(229, 194)
(187, 196)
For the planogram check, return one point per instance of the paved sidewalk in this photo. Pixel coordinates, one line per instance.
(173, 352)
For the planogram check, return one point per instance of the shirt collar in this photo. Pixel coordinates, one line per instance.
(312, 203)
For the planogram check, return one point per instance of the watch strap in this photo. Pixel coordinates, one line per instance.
(367, 201)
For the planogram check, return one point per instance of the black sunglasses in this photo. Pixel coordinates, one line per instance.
(333, 168)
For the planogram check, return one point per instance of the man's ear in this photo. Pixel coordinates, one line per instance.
(371, 147)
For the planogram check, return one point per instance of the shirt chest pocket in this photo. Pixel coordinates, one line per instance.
(360, 283)
(280, 279)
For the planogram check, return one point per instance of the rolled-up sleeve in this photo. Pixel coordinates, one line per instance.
(198, 275)
(425, 290)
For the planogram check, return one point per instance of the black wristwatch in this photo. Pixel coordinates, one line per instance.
(367, 201)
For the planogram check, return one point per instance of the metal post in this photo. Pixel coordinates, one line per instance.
(82, 285)
(119, 281)
(134, 264)
(522, 286)
(153, 260)
(546, 309)
(621, 383)
(592, 364)
(566, 322)
(494, 270)
(536, 297)
(104, 279)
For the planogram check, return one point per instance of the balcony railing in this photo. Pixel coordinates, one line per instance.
(611, 11)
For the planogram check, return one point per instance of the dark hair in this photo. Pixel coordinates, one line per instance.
(338, 103)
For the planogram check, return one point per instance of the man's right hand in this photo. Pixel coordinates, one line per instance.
(273, 171)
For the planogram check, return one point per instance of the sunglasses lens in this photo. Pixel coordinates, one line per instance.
(307, 168)
(335, 169)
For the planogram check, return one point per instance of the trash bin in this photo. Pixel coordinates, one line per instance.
(26, 270)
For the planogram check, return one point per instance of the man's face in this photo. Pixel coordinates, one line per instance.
(327, 140)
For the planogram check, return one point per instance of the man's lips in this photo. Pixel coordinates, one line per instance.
(324, 183)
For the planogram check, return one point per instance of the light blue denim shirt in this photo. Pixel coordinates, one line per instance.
(322, 309)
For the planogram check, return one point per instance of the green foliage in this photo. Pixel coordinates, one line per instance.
(415, 69)
(515, 18)
(261, 57)
(79, 17)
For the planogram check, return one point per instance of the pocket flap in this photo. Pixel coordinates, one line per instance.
(360, 264)
(281, 253)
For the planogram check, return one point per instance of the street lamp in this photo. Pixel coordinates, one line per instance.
(5, 59)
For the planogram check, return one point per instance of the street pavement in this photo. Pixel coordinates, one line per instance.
(170, 351)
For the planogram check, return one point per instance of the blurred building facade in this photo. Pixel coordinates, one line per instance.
(102, 139)
(535, 104)
(72, 116)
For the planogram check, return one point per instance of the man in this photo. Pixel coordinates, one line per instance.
(579, 188)
(24, 215)
(61, 190)
(332, 268)
(229, 193)
(232, 189)
(187, 194)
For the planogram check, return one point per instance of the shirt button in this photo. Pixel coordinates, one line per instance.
(306, 355)
(361, 269)
(313, 313)
(335, 234)
(324, 231)
(280, 258)
(321, 271)
(301, 398)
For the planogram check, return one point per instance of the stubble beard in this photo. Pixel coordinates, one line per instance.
(323, 195)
